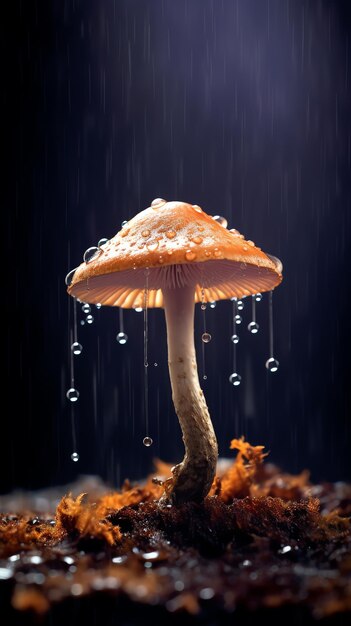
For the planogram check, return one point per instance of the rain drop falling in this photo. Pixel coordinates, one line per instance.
(69, 277)
(235, 338)
(76, 347)
(253, 327)
(220, 220)
(206, 337)
(102, 242)
(122, 338)
(147, 441)
(240, 305)
(235, 379)
(72, 394)
(238, 319)
(89, 319)
(75, 457)
(90, 254)
(86, 308)
(82, 322)
(272, 364)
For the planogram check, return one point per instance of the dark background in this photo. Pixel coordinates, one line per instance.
(242, 107)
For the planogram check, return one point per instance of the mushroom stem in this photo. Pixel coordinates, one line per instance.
(192, 479)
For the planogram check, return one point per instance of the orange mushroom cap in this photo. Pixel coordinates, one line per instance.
(173, 244)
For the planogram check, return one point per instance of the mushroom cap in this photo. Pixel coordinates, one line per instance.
(168, 245)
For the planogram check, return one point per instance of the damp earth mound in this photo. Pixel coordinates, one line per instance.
(262, 544)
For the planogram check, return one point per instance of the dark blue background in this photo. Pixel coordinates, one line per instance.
(242, 107)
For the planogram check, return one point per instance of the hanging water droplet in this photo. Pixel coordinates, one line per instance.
(155, 364)
(82, 322)
(102, 242)
(272, 364)
(76, 347)
(220, 220)
(238, 319)
(204, 377)
(75, 457)
(90, 254)
(69, 277)
(240, 305)
(86, 308)
(124, 223)
(235, 379)
(138, 309)
(89, 319)
(253, 327)
(122, 338)
(147, 441)
(206, 337)
(203, 306)
(235, 338)
(258, 297)
(213, 304)
(98, 305)
(72, 394)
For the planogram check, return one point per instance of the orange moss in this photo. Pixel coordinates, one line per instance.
(238, 480)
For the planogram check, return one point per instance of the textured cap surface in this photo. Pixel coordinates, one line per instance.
(171, 244)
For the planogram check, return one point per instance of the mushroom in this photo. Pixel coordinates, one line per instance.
(175, 255)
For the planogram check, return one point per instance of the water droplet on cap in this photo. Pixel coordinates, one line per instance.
(235, 232)
(235, 338)
(145, 233)
(76, 347)
(157, 202)
(147, 441)
(190, 255)
(235, 379)
(69, 277)
(90, 254)
(170, 234)
(86, 308)
(124, 223)
(152, 246)
(272, 364)
(72, 394)
(220, 220)
(89, 319)
(253, 327)
(102, 242)
(75, 457)
(197, 239)
(122, 338)
(217, 252)
(238, 319)
(197, 208)
(206, 337)
(251, 243)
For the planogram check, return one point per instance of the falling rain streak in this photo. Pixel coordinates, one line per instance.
(147, 441)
